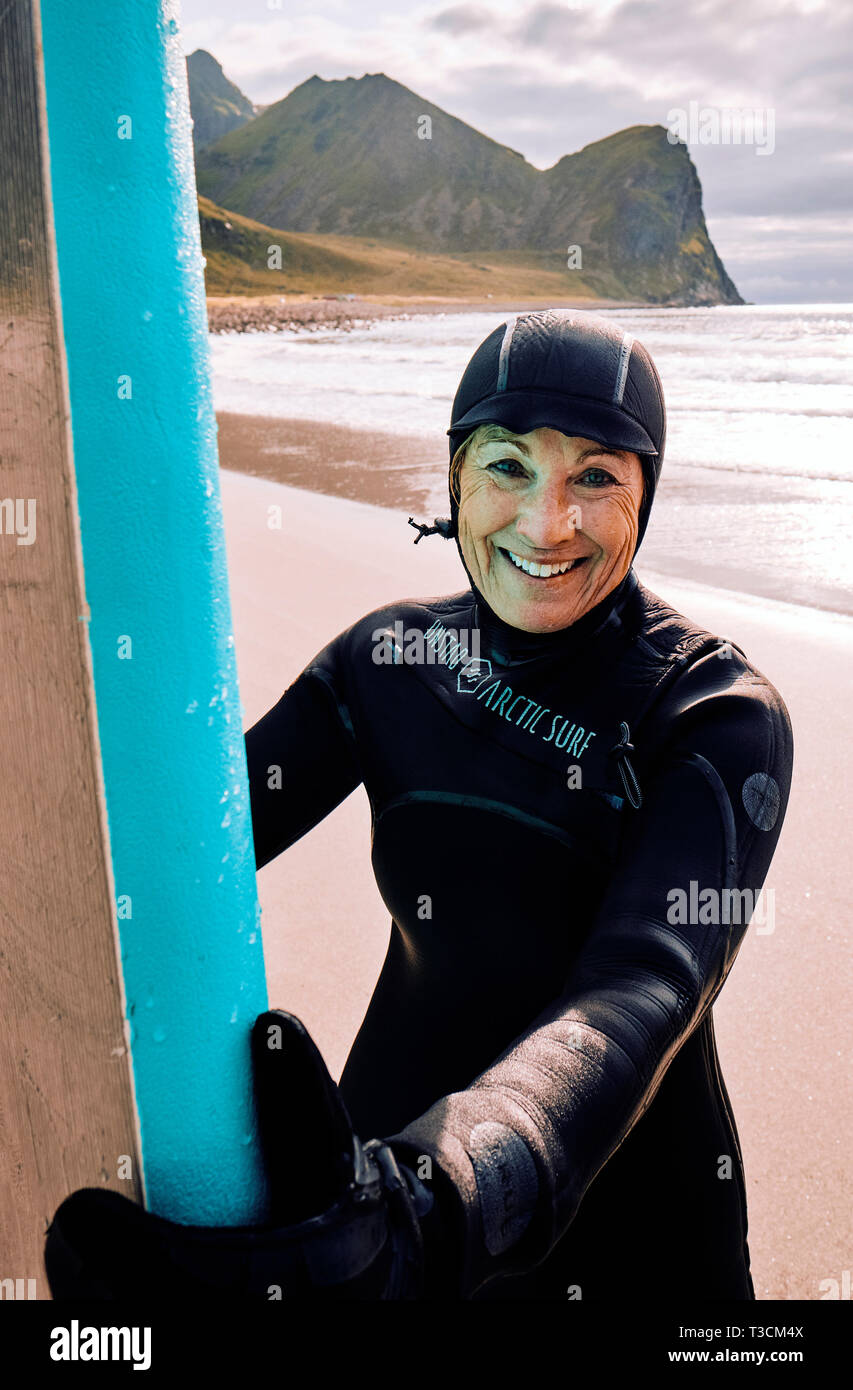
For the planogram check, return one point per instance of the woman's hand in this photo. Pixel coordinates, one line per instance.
(344, 1217)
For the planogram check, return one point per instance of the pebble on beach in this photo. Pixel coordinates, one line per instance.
(271, 316)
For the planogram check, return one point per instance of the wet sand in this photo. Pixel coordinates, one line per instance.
(783, 1016)
(364, 465)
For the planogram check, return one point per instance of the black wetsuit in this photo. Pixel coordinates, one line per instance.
(536, 914)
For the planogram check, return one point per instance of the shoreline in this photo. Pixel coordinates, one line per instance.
(407, 473)
(273, 313)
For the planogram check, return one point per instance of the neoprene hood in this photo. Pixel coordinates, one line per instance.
(565, 369)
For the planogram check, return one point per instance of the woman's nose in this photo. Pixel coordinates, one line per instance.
(548, 520)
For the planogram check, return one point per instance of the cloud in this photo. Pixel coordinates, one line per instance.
(798, 259)
(461, 19)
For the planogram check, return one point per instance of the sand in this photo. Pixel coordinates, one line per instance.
(783, 1016)
(369, 465)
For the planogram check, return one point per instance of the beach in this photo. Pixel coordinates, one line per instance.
(782, 1016)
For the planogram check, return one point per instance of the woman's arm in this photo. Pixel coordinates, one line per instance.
(536, 1127)
(301, 757)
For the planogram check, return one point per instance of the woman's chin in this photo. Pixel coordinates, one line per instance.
(538, 615)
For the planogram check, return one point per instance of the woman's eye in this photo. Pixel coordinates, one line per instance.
(514, 469)
(597, 477)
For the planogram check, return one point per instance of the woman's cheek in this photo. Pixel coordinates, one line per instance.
(613, 523)
(484, 507)
(474, 524)
(481, 495)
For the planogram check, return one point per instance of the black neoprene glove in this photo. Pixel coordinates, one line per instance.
(345, 1220)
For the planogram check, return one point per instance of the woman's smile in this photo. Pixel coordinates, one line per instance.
(542, 570)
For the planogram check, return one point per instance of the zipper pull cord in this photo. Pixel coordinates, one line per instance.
(621, 751)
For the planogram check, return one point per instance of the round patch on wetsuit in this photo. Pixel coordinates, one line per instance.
(507, 1183)
(762, 799)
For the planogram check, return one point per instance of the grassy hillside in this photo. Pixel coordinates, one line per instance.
(236, 249)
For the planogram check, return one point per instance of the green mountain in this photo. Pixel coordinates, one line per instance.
(636, 201)
(347, 158)
(217, 106)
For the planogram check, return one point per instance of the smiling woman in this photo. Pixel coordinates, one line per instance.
(538, 1054)
(539, 1047)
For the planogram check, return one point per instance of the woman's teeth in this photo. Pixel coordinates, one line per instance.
(542, 571)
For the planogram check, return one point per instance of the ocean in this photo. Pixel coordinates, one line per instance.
(756, 492)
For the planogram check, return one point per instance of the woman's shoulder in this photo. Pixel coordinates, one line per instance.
(678, 639)
(673, 635)
(706, 675)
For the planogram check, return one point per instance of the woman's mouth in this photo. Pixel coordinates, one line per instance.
(537, 571)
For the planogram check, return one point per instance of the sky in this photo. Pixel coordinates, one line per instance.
(547, 79)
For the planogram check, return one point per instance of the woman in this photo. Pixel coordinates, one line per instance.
(548, 814)
(576, 794)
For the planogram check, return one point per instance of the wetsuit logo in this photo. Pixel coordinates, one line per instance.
(475, 677)
(472, 673)
(526, 713)
(459, 651)
(507, 1183)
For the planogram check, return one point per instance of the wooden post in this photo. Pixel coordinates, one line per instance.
(66, 1108)
(131, 961)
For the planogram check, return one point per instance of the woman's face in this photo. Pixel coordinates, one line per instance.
(548, 501)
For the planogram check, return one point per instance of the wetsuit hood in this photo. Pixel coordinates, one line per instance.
(575, 373)
(571, 372)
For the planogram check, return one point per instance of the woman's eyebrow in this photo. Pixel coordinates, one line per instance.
(605, 449)
(506, 443)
